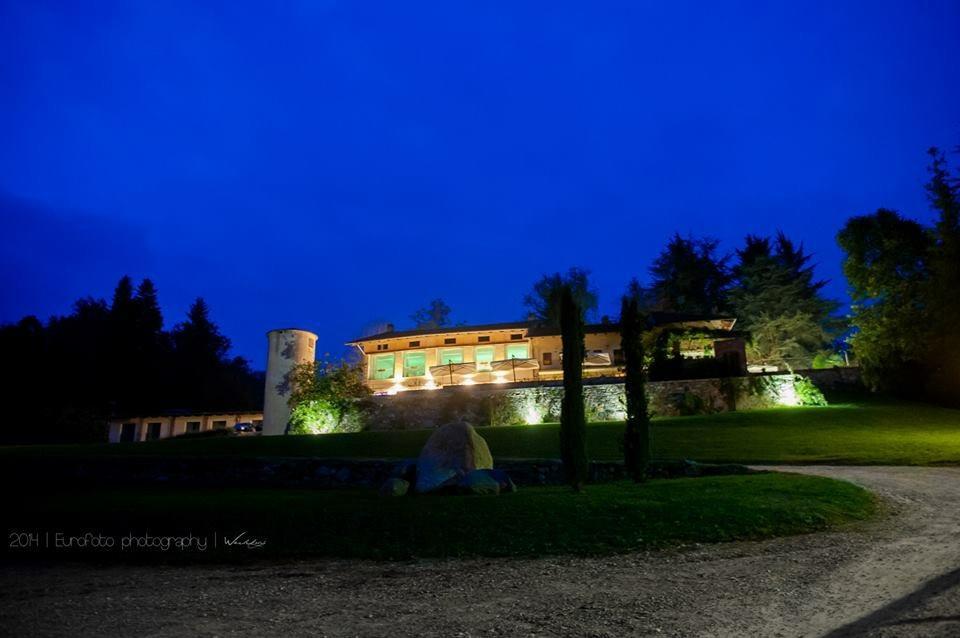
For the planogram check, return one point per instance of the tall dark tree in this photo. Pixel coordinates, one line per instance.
(778, 299)
(117, 360)
(199, 354)
(886, 267)
(573, 424)
(435, 314)
(636, 438)
(149, 318)
(689, 276)
(904, 279)
(943, 313)
(121, 308)
(543, 300)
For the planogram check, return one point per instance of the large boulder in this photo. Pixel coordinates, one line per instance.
(503, 480)
(451, 452)
(479, 482)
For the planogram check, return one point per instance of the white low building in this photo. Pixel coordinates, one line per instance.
(169, 424)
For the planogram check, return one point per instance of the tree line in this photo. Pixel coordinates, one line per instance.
(70, 374)
(768, 284)
(903, 279)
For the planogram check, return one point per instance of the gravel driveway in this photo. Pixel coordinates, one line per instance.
(899, 576)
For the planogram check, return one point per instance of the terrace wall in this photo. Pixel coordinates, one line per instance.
(483, 405)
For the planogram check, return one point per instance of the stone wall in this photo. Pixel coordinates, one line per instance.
(836, 378)
(528, 403)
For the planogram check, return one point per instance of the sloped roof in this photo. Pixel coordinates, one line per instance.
(487, 327)
(539, 329)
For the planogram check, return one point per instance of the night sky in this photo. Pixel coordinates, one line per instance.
(328, 165)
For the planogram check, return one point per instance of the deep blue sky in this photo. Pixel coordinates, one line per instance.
(327, 164)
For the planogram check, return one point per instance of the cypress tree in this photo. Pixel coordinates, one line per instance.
(636, 438)
(573, 425)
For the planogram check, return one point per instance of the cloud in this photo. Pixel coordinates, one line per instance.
(51, 257)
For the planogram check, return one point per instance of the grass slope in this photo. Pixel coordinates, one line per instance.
(866, 432)
(605, 519)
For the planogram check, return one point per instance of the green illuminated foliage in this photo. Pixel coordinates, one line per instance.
(326, 398)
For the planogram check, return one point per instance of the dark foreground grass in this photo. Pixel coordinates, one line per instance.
(606, 519)
(857, 433)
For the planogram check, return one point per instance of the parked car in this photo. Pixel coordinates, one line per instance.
(241, 428)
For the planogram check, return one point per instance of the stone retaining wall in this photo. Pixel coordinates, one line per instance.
(535, 403)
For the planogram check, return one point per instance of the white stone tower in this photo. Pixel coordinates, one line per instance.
(286, 348)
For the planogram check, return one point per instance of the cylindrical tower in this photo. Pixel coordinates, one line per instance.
(286, 348)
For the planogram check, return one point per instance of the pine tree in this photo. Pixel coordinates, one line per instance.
(149, 318)
(573, 425)
(636, 438)
(200, 360)
(779, 301)
(688, 276)
(122, 304)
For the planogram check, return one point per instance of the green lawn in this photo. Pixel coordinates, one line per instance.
(605, 519)
(865, 432)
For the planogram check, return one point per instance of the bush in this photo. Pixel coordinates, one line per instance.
(318, 416)
(807, 393)
(689, 404)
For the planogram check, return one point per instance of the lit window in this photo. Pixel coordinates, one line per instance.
(451, 355)
(517, 351)
(414, 364)
(483, 357)
(383, 367)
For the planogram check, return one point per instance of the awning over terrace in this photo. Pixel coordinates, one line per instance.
(513, 366)
(596, 359)
(452, 372)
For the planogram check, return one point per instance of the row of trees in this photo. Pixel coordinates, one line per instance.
(72, 372)
(573, 423)
(904, 278)
(770, 287)
(768, 284)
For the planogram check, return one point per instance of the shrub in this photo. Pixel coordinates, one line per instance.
(689, 403)
(326, 398)
(807, 393)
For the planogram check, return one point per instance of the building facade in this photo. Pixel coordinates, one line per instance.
(399, 361)
(164, 426)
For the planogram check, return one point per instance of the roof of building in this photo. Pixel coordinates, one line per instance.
(486, 327)
(539, 328)
(181, 412)
(657, 318)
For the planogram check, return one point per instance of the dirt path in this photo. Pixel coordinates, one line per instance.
(896, 577)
